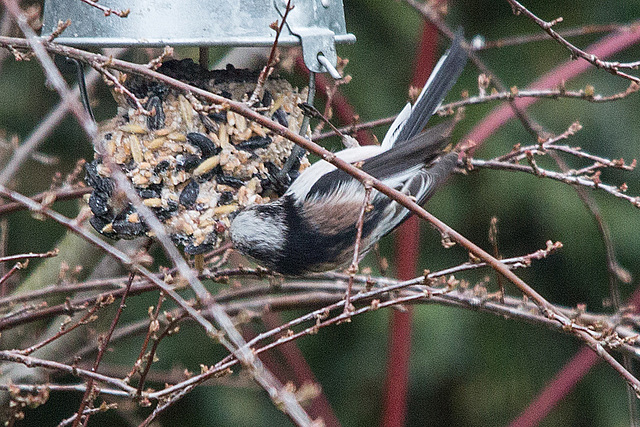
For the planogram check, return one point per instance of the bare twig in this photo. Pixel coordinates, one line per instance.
(353, 268)
(570, 32)
(557, 176)
(30, 255)
(610, 67)
(65, 193)
(88, 317)
(87, 399)
(107, 10)
(447, 109)
(271, 62)
(120, 88)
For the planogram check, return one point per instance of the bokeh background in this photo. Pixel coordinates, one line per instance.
(467, 368)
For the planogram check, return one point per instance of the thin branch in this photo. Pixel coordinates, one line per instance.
(610, 67)
(557, 176)
(353, 268)
(271, 62)
(107, 10)
(65, 193)
(88, 317)
(515, 93)
(570, 32)
(30, 362)
(87, 399)
(30, 255)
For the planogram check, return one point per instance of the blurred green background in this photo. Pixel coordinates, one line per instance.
(467, 368)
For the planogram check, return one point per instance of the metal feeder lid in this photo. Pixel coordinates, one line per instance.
(315, 24)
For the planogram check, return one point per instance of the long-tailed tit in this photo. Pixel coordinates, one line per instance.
(313, 226)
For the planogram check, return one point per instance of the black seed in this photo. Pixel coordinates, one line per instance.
(189, 194)
(172, 205)
(188, 162)
(156, 121)
(98, 223)
(100, 183)
(208, 124)
(151, 192)
(254, 143)
(192, 249)
(267, 99)
(266, 185)
(229, 180)
(128, 230)
(276, 183)
(218, 117)
(108, 136)
(130, 165)
(161, 167)
(206, 146)
(164, 214)
(122, 215)
(225, 198)
(281, 117)
(99, 204)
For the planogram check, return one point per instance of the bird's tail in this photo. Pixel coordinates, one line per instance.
(444, 76)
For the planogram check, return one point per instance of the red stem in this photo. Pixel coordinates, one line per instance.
(407, 243)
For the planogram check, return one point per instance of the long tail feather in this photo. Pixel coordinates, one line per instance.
(442, 79)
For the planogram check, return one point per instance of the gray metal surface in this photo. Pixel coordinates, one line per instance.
(319, 23)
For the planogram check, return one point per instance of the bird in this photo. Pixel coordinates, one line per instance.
(312, 227)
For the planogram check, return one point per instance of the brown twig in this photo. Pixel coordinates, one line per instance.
(570, 32)
(609, 66)
(30, 255)
(87, 318)
(271, 62)
(557, 176)
(168, 330)
(65, 193)
(448, 109)
(17, 266)
(353, 268)
(87, 399)
(30, 362)
(120, 88)
(107, 10)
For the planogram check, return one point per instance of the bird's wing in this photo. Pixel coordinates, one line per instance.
(444, 76)
(421, 186)
(394, 167)
(402, 161)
